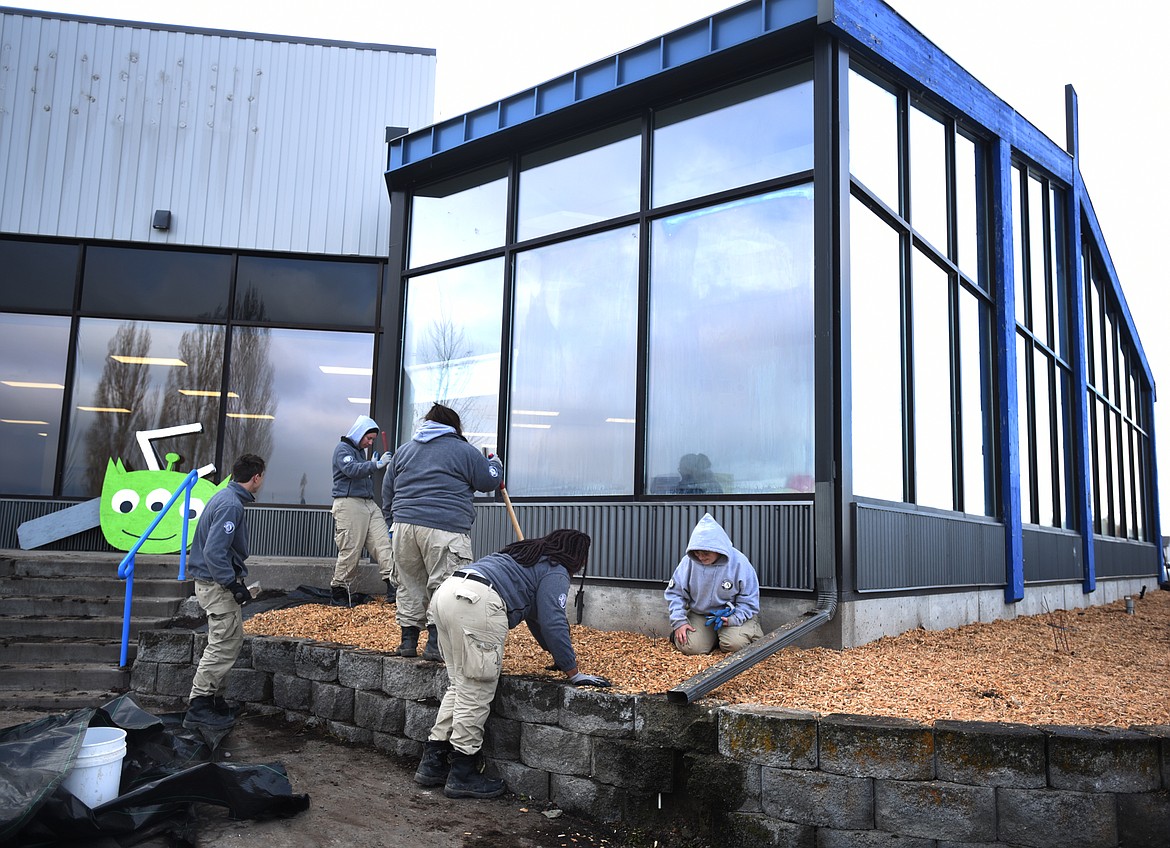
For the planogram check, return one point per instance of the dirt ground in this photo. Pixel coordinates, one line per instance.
(361, 797)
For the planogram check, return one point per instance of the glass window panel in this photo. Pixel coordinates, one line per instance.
(156, 283)
(977, 405)
(292, 395)
(451, 348)
(574, 368)
(1061, 308)
(307, 291)
(1117, 477)
(933, 431)
(1108, 348)
(1023, 393)
(141, 375)
(928, 178)
(38, 275)
(580, 182)
(969, 221)
(875, 312)
(33, 349)
(1018, 249)
(459, 216)
(1038, 261)
(1065, 474)
(742, 135)
(731, 337)
(1104, 499)
(1139, 484)
(873, 138)
(1044, 498)
(1093, 318)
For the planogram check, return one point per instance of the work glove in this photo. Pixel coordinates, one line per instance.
(239, 592)
(715, 619)
(383, 459)
(580, 679)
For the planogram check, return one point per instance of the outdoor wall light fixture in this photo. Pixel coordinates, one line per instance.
(162, 219)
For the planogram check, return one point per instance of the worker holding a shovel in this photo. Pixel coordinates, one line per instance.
(429, 487)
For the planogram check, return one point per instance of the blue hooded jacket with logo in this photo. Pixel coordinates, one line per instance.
(220, 546)
(353, 474)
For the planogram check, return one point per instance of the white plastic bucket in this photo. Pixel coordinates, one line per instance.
(97, 773)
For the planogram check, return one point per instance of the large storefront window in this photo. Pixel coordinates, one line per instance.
(291, 395)
(141, 375)
(730, 373)
(459, 216)
(756, 131)
(572, 416)
(33, 349)
(451, 349)
(580, 182)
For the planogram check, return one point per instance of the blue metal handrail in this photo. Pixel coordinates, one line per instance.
(126, 567)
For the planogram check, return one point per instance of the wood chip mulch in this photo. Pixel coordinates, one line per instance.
(1096, 666)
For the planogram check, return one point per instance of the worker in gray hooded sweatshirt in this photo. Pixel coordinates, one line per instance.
(430, 486)
(357, 518)
(714, 595)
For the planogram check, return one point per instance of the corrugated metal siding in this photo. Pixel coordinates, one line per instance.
(1123, 558)
(1052, 555)
(254, 144)
(646, 541)
(898, 549)
(630, 541)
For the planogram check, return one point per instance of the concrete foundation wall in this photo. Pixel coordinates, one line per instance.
(753, 775)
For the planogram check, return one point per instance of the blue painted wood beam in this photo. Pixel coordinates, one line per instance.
(1003, 275)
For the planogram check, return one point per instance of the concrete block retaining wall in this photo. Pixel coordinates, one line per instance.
(757, 776)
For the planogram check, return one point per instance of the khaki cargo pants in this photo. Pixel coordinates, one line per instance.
(357, 524)
(423, 558)
(225, 637)
(702, 639)
(473, 622)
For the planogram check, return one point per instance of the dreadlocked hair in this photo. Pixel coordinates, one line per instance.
(569, 548)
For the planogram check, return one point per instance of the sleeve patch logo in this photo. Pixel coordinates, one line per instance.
(562, 599)
(229, 527)
(347, 459)
(670, 585)
(495, 472)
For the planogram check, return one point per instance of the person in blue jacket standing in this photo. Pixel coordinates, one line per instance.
(217, 565)
(475, 608)
(713, 597)
(357, 518)
(430, 486)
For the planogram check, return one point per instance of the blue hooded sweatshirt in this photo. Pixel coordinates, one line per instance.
(704, 589)
(434, 477)
(353, 474)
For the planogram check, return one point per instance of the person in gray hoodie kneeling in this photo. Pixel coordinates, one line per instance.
(429, 489)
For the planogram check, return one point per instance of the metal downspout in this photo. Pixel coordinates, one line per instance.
(743, 659)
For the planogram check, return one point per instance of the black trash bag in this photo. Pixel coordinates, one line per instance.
(167, 770)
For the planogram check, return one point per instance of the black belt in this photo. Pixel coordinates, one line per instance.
(471, 575)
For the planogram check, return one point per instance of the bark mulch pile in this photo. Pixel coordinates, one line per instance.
(1096, 666)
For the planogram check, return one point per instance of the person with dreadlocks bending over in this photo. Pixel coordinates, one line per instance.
(474, 609)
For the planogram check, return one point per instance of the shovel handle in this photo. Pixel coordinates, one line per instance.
(512, 513)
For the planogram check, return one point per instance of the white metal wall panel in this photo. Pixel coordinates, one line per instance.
(251, 143)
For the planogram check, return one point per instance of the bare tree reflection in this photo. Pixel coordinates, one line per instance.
(251, 376)
(191, 395)
(123, 385)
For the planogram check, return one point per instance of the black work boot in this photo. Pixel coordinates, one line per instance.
(391, 591)
(221, 705)
(409, 646)
(467, 780)
(341, 596)
(435, 765)
(201, 711)
(431, 651)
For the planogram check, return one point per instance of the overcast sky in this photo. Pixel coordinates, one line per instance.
(1023, 50)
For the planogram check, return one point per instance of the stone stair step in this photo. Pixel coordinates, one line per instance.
(50, 701)
(94, 587)
(16, 605)
(31, 651)
(71, 564)
(81, 627)
(65, 677)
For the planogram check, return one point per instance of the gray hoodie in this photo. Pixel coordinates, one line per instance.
(705, 589)
(433, 478)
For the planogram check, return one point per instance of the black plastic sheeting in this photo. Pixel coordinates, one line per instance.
(167, 771)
